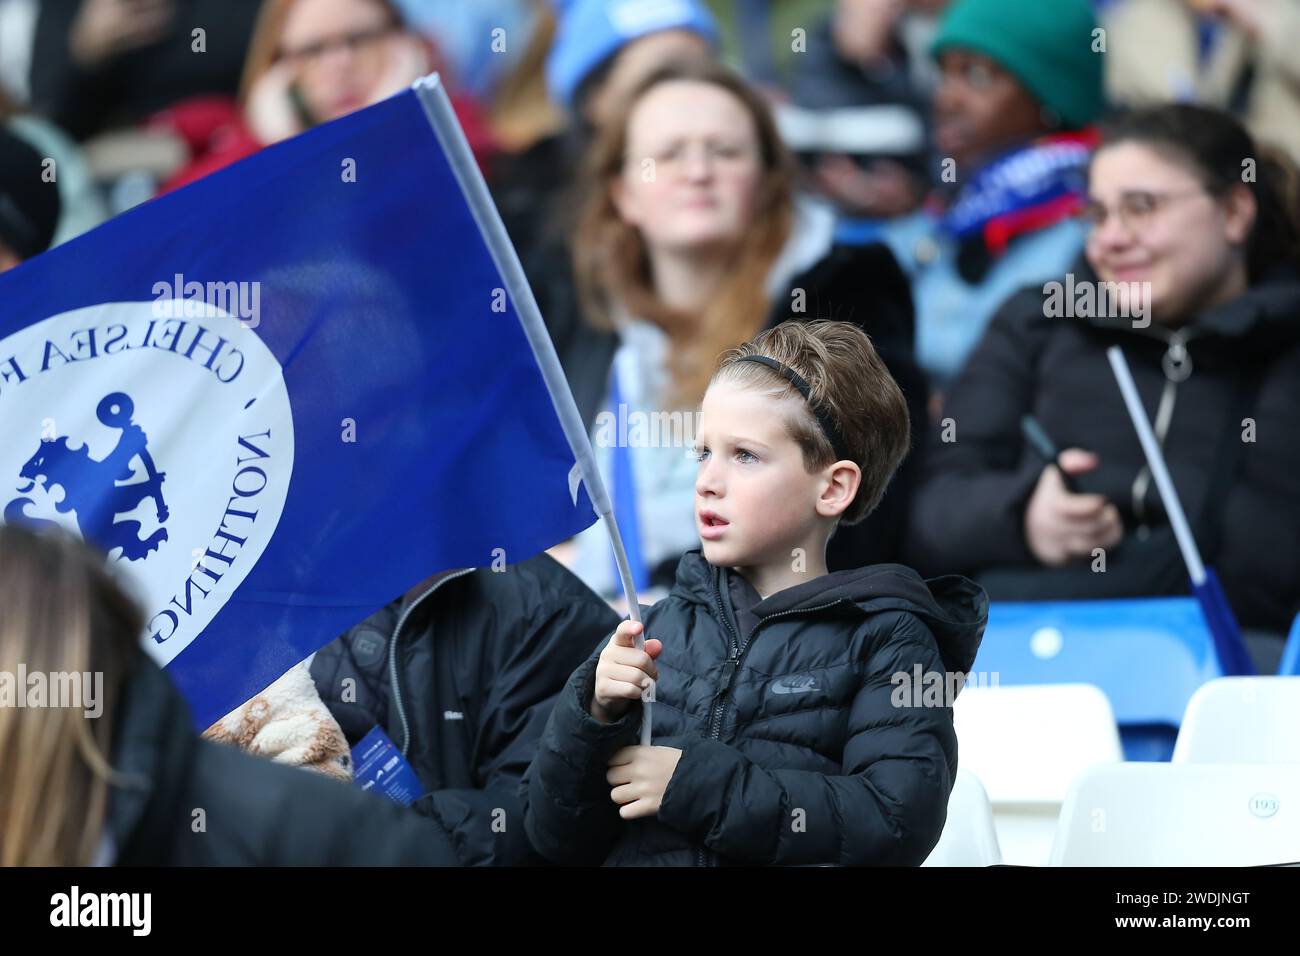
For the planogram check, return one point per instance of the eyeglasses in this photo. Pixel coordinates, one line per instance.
(677, 154)
(1135, 209)
(358, 41)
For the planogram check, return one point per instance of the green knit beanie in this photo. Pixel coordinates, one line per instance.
(1045, 44)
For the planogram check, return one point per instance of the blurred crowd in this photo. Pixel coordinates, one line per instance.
(678, 175)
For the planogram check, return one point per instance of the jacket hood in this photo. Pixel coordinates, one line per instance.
(1268, 312)
(430, 584)
(953, 607)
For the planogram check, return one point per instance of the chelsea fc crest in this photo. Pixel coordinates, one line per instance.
(164, 439)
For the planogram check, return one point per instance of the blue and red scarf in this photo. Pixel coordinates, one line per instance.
(1023, 190)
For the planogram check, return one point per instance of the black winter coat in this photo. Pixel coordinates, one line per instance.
(793, 748)
(1242, 497)
(461, 674)
(131, 85)
(253, 812)
(859, 284)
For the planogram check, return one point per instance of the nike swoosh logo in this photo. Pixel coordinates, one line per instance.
(794, 685)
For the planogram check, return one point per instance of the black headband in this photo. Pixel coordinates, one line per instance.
(824, 419)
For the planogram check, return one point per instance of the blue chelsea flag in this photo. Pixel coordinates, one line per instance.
(288, 392)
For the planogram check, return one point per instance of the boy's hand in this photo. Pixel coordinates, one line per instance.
(623, 672)
(639, 776)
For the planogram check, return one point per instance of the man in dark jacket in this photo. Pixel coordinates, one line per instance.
(101, 63)
(461, 673)
(29, 204)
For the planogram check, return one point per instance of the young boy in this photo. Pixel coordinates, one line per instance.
(780, 732)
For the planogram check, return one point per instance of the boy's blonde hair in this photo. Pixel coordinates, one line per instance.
(849, 383)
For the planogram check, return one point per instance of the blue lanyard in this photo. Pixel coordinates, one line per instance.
(624, 498)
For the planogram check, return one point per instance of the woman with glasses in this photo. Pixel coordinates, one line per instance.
(317, 60)
(312, 61)
(1192, 267)
(689, 241)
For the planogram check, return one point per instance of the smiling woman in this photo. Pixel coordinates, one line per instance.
(1198, 210)
(1183, 202)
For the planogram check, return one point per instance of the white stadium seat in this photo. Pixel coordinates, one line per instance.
(1165, 814)
(969, 838)
(1026, 745)
(1242, 720)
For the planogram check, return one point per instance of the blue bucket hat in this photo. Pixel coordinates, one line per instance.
(589, 32)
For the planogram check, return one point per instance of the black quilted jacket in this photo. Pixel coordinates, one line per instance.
(796, 746)
(461, 674)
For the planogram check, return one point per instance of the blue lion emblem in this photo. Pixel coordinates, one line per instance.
(91, 488)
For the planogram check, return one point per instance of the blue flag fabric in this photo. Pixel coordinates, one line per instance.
(282, 396)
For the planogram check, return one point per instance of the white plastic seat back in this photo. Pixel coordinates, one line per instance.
(1168, 814)
(1242, 720)
(1026, 744)
(969, 837)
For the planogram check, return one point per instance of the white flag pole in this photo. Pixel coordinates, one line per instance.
(1233, 656)
(438, 110)
(1156, 461)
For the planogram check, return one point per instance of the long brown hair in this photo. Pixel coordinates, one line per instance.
(612, 265)
(522, 111)
(60, 612)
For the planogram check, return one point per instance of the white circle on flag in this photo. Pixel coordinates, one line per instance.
(162, 432)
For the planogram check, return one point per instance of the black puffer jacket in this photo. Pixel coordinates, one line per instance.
(183, 801)
(793, 748)
(461, 674)
(1238, 361)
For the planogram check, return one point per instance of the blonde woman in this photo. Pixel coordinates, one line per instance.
(115, 775)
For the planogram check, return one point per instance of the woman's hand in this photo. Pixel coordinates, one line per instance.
(104, 28)
(1061, 526)
(861, 29)
(885, 190)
